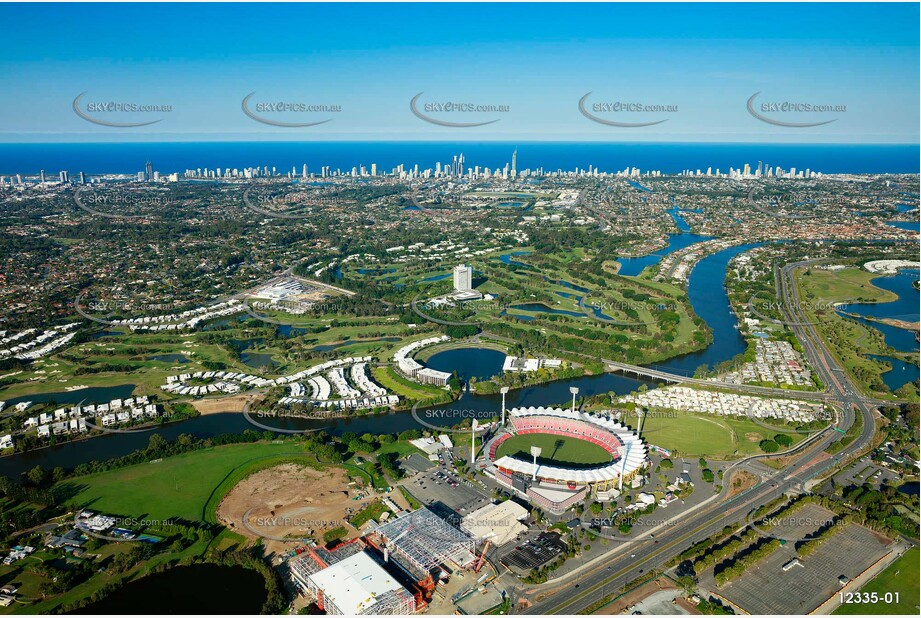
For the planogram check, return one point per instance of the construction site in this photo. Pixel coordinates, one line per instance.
(412, 562)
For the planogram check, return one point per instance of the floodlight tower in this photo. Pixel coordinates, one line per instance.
(535, 453)
(473, 442)
(623, 467)
(574, 390)
(503, 390)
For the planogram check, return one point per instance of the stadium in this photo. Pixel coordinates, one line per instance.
(579, 455)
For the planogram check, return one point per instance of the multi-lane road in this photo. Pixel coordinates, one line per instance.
(578, 591)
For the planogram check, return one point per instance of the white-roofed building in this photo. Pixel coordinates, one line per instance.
(358, 586)
(497, 523)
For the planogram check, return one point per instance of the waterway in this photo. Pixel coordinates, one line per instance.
(905, 308)
(94, 394)
(197, 589)
(633, 266)
(706, 291)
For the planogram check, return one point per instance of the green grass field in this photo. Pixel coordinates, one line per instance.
(557, 450)
(901, 576)
(706, 435)
(176, 487)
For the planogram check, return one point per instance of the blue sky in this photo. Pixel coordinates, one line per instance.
(703, 60)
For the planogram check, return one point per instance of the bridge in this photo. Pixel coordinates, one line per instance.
(674, 378)
(765, 391)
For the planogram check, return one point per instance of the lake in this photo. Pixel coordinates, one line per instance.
(196, 589)
(479, 363)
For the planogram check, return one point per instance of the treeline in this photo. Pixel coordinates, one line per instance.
(743, 561)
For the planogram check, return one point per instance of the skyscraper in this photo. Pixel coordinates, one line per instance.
(515, 162)
(463, 277)
(148, 172)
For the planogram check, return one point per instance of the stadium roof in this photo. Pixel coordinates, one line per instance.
(632, 453)
(428, 540)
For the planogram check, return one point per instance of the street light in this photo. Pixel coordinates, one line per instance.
(574, 390)
(503, 390)
(535, 453)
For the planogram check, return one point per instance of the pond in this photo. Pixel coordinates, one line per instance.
(95, 394)
(329, 347)
(542, 308)
(257, 359)
(479, 363)
(901, 373)
(196, 589)
(169, 358)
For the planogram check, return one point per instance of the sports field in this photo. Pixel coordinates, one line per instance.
(176, 487)
(557, 450)
(705, 435)
(901, 576)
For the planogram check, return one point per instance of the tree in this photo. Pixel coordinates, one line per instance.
(769, 446)
(156, 443)
(36, 475)
(58, 474)
(688, 584)
(783, 439)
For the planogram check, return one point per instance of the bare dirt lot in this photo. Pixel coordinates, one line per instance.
(233, 403)
(741, 480)
(288, 503)
(647, 590)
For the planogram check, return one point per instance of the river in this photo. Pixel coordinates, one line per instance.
(707, 293)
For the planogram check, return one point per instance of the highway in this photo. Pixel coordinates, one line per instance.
(571, 595)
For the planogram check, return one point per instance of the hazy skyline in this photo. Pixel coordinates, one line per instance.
(539, 60)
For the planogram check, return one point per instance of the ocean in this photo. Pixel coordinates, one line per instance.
(669, 158)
